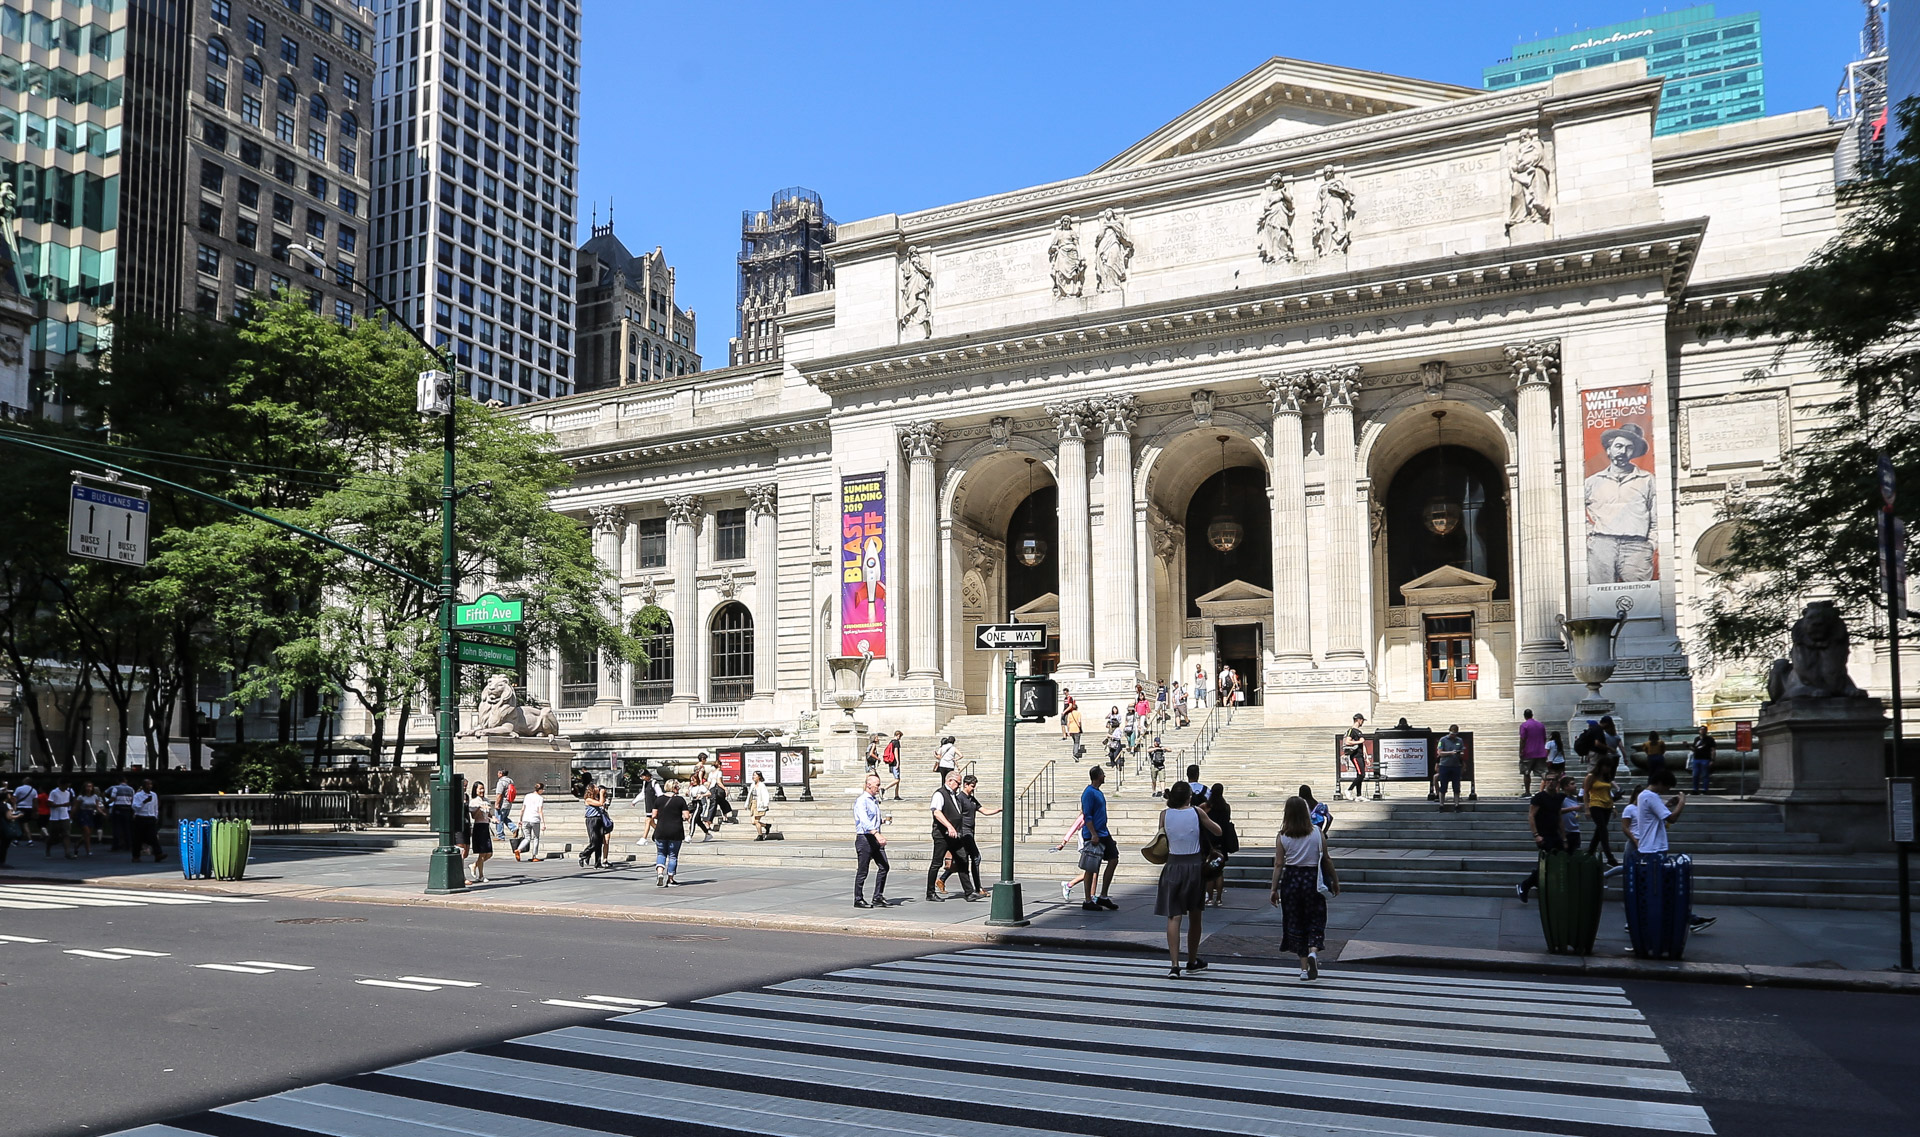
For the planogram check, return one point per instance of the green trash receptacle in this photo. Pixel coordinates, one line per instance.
(1572, 886)
(232, 841)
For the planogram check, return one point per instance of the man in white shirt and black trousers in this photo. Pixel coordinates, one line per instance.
(869, 845)
(146, 822)
(1652, 813)
(948, 813)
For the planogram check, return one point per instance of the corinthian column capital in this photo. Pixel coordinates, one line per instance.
(608, 518)
(1116, 413)
(761, 498)
(1286, 390)
(684, 509)
(1069, 421)
(1535, 361)
(922, 440)
(1339, 386)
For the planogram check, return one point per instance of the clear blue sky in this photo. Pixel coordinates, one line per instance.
(694, 112)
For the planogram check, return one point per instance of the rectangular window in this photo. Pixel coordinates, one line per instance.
(284, 169)
(290, 51)
(276, 283)
(246, 232)
(243, 273)
(210, 218)
(350, 86)
(249, 193)
(653, 543)
(322, 18)
(256, 31)
(216, 90)
(346, 237)
(208, 260)
(279, 251)
(316, 224)
(579, 678)
(322, 70)
(317, 186)
(283, 208)
(730, 534)
(250, 110)
(349, 201)
(343, 312)
(212, 176)
(351, 35)
(250, 153)
(223, 12)
(283, 127)
(206, 301)
(214, 135)
(346, 158)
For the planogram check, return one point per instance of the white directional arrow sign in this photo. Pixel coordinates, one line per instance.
(999, 637)
(107, 526)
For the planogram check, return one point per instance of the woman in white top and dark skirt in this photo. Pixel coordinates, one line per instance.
(1296, 887)
(1183, 887)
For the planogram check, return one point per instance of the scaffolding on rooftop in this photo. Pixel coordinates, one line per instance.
(783, 251)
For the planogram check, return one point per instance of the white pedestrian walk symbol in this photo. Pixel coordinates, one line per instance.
(996, 1042)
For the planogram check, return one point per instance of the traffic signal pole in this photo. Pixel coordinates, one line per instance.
(446, 870)
(1007, 910)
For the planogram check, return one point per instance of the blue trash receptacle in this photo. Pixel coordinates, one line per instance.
(1659, 901)
(196, 848)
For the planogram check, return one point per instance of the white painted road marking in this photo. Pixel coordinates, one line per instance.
(20, 940)
(581, 1005)
(440, 982)
(234, 967)
(394, 983)
(274, 966)
(96, 954)
(623, 1002)
(137, 951)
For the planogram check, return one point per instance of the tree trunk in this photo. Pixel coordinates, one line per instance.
(400, 743)
(286, 715)
(190, 681)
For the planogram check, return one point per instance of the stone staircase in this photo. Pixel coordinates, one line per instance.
(1402, 844)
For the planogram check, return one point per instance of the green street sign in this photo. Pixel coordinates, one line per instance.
(488, 611)
(487, 655)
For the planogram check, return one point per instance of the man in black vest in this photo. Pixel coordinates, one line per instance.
(948, 815)
(971, 809)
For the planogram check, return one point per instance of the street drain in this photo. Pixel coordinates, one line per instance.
(685, 936)
(324, 920)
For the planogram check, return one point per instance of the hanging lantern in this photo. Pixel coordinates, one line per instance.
(1224, 533)
(1028, 546)
(1441, 514)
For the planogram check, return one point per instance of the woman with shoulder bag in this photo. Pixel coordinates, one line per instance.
(593, 802)
(480, 831)
(1182, 880)
(1297, 887)
(1221, 847)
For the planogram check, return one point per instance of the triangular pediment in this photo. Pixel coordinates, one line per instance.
(1282, 98)
(1235, 590)
(1449, 577)
(1043, 609)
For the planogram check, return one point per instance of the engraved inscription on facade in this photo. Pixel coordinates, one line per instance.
(1443, 191)
(1735, 432)
(1203, 233)
(992, 271)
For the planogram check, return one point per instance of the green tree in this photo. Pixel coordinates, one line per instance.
(1855, 307)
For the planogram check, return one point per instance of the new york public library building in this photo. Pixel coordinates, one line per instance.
(1354, 382)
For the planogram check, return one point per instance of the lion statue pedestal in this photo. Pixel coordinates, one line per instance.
(1822, 739)
(523, 740)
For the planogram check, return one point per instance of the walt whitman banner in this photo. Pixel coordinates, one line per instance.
(863, 543)
(1623, 556)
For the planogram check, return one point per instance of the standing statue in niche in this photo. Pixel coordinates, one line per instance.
(1530, 182)
(1274, 232)
(916, 292)
(1113, 250)
(1333, 214)
(1069, 267)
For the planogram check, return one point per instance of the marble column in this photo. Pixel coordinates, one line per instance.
(1346, 532)
(608, 521)
(1076, 545)
(1542, 571)
(762, 506)
(1119, 595)
(683, 517)
(922, 441)
(1292, 598)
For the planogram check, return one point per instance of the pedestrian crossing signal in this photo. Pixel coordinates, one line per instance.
(1036, 700)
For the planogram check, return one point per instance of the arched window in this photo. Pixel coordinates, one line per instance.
(250, 71)
(732, 655)
(317, 109)
(349, 125)
(289, 93)
(217, 53)
(653, 684)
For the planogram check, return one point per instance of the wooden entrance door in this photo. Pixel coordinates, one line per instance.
(1449, 656)
(1045, 662)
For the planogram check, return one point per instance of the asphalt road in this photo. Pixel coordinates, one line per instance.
(92, 1045)
(98, 1038)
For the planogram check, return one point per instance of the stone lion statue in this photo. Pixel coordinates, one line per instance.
(1817, 666)
(501, 713)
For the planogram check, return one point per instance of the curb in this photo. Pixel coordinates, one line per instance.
(1535, 963)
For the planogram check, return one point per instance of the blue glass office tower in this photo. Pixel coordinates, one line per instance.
(1711, 63)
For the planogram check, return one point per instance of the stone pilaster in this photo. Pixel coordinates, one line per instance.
(1292, 599)
(608, 523)
(1117, 602)
(763, 508)
(1542, 572)
(922, 441)
(1076, 545)
(683, 556)
(1346, 518)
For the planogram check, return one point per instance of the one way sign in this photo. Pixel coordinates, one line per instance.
(999, 637)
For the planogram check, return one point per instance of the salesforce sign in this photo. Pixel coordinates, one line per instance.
(1609, 41)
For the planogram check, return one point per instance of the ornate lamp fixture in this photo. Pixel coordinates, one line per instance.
(1028, 546)
(1224, 532)
(1442, 513)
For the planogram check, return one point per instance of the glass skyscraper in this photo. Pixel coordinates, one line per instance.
(1711, 64)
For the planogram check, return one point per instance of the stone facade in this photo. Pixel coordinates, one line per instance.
(1533, 263)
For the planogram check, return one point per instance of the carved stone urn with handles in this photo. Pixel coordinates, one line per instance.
(849, 675)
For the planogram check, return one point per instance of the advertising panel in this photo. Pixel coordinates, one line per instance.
(863, 543)
(1623, 553)
(760, 762)
(792, 767)
(1403, 759)
(731, 762)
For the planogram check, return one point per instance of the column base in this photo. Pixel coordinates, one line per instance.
(1330, 692)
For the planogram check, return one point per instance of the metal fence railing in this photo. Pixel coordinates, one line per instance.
(1035, 799)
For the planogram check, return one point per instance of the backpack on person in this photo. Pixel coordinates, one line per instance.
(513, 793)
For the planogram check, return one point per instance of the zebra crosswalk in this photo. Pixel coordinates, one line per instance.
(992, 1042)
(52, 897)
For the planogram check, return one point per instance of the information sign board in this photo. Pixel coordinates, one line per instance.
(107, 526)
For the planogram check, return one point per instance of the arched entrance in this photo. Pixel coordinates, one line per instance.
(1032, 539)
(994, 499)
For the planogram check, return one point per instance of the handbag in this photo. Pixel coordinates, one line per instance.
(1155, 851)
(1092, 854)
(1328, 880)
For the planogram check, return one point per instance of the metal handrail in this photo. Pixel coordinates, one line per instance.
(1035, 798)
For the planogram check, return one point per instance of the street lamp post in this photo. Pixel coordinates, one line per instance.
(435, 396)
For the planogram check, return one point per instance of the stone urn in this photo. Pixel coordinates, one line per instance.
(1590, 642)
(849, 675)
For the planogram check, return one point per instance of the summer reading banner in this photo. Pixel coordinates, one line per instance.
(863, 585)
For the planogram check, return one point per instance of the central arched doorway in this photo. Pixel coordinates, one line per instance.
(1033, 563)
(1229, 546)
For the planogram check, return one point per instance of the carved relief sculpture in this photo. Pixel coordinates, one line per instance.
(1069, 421)
(1338, 385)
(1274, 231)
(1536, 361)
(763, 498)
(684, 509)
(1433, 378)
(1117, 413)
(1333, 214)
(500, 713)
(922, 440)
(1068, 266)
(1113, 249)
(727, 585)
(1529, 180)
(607, 518)
(1202, 408)
(916, 292)
(1000, 430)
(1285, 390)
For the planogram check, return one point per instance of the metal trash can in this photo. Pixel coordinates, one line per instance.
(196, 849)
(231, 841)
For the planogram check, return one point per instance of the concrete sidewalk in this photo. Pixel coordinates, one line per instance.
(1759, 945)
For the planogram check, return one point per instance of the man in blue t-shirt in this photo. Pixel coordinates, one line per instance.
(1093, 813)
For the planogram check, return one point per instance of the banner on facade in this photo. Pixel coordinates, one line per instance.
(1623, 548)
(863, 544)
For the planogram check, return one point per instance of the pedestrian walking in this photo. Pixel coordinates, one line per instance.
(1655, 750)
(946, 759)
(1453, 757)
(120, 814)
(504, 793)
(146, 822)
(1556, 755)
(948, 813)
(1157, 764)
(1199, 688)
(9, 821)
(869, 845)
(1597, 790)
(719, 801)
(1074, 725)
(1700, 759)
(1297, 888)
(533, 816)
(1116, 745)
(1220, 845)
(759, 801)
(669, 832)
(652, 790)
(479, 819)
(1181, 717)
(1544, 819)
(593, 807)
(1183, 890)
(1091, 858)
(59, 819)
(24, 798)
(1653, 812)
(1533, 751)
(1093, 807)
(1317, 812)
(971, 809)
(874, 749)
(87, 815)
(1610, 739)
(1356, 752)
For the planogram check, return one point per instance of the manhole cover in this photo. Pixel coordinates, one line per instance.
(324, 920)
(688, 936)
